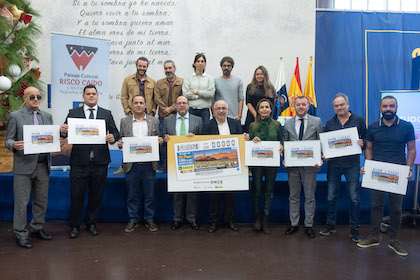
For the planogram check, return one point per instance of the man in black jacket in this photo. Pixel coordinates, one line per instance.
(89, 164)
(349, 166)
(221, 125)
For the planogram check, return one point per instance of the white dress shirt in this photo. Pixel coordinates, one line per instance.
(87, 111)
(140, 127)
(298, 122)
(223, 128)
(179, 121)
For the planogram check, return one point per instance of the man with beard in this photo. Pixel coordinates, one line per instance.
(386, 141)
(349, 166)
(167, 91)
(230, 89)
(138, 84)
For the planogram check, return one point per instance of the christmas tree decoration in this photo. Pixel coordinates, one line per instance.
(18, 33)
(5, 83)
(14, 70)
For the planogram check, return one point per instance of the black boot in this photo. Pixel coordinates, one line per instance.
(257, 224)
(265, 228)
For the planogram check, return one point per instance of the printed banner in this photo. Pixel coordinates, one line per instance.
(75, 63)
(207, 163)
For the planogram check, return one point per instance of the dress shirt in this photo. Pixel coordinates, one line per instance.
(223, 128)
(87, 111)
(179, 121)
(140, 127)
(298, 122)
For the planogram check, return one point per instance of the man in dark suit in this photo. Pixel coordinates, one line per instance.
(183, 123)
(89, 164)
(30, 172)
(221, 125)
(140, 175)
(302, 127)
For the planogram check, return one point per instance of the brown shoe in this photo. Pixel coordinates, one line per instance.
(120, 171)
(152, 226)
(131, 226)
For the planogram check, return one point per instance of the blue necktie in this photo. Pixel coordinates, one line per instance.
(91, 116)
(302, 128)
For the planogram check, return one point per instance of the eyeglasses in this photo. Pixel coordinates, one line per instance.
(181, 103)
(32, 97)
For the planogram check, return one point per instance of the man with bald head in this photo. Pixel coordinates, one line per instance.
(221, 125)
(30, 172)
(183, 123)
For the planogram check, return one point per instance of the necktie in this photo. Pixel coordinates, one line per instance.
(182, 132)
(302, 128)
(36, 122)
(91, 116)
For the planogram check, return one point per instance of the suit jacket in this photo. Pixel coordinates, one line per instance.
(312, 131)
(80, 153)
(169, 125)
(23, 164)
(126, 130)
(211, 128)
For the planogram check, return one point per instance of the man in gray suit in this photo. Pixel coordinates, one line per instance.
(140, 174)
(302, 127)
(30, 172)
(183, 123)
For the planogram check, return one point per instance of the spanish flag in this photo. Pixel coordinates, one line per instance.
(310, 91)
(295, 90)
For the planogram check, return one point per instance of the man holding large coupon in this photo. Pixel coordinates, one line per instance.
(31, 172)
(302, 127)
(386, 142)
(349, 166)
(140, 174)
(89, 163)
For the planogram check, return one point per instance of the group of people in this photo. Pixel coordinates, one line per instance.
(184, 108)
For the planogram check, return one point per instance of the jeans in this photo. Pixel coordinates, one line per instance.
(376, 212)
(141, 175)
(203, 113)
(352, 176)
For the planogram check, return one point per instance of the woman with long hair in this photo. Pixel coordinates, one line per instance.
(259, 88)
(199, 89)
(264, 128)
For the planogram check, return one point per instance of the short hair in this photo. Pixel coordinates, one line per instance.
(389, 97)
(143, 59)
(302, 97)
(89, 86)
(227, 105)
(341, 95)
(132, 99)
(227, 59)
(169, 61)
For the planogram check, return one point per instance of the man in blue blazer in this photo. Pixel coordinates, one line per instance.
(221, 125)
(89, 164)
(31, 172)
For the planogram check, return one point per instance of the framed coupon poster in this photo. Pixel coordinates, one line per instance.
(207, 163)
(387, 177)
(41, 139)
(264, 153)
(86, 131)
(340, 143)
(140, 149)
(302, 153)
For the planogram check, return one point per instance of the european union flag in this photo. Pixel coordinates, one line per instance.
(77, 104)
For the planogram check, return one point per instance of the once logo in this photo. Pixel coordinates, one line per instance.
(81, 55)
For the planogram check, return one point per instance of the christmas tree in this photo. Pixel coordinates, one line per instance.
(18, 33)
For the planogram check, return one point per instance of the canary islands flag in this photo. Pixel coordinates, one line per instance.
(310, 91)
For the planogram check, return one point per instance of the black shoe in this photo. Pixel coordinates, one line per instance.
(92, 230)
(40, 234)
(291, 230)
(309, 232)
(74, 232)
(212, 227)
(257, 223)
(24, 243)
(264, 225)
(176, 225)
(232, 226)
(194, 225)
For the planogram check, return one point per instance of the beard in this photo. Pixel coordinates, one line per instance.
(226, 72)
(388, 115)
(170, 75)
(141, 72)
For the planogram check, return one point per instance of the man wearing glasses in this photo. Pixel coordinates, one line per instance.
(31, 172)
(183, 123)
